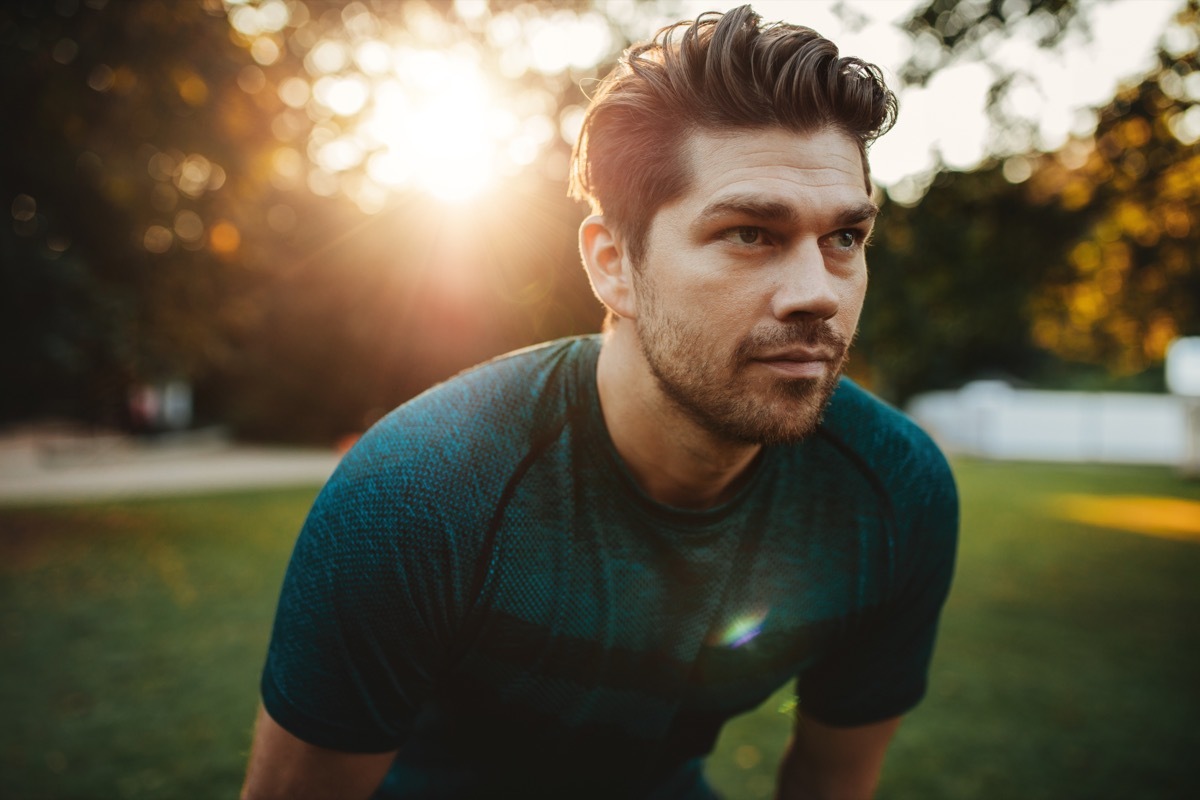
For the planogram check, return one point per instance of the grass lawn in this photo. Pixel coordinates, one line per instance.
(132, 633)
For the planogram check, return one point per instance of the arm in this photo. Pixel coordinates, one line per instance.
(827, 763)
(282, 766)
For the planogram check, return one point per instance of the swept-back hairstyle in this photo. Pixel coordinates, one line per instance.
(722, 72)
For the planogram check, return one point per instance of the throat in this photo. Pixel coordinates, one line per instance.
(691, 483)
(673, 459)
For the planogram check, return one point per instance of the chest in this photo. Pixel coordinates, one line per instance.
(597, 616)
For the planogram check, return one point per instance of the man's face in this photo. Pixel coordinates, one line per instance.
(752, 284)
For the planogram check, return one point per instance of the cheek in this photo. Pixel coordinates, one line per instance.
(858, 290)
(851, 304)
(710, 300)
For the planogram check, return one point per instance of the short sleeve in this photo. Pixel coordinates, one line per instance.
(382, 594)
(366, 613)
(880, 668)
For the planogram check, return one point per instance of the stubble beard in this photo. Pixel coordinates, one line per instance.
(721, 397)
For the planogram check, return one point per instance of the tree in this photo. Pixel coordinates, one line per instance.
(220, 192)
(1035, 262)
(168, 221)
(950, 283)
(120, 253)
(1131, 282)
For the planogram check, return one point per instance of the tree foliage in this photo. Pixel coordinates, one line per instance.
(169, 220)
(950, 282)
(1130, 284)
(1036, 262)
(162, 228)
(120, 259)
(948, 30)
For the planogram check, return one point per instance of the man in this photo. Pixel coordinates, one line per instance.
(560, 573)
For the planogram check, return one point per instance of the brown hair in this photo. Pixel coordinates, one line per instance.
(724, 71)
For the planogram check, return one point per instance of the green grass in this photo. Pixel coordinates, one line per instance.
(131, 638)
(1067, 660)
(132, 634)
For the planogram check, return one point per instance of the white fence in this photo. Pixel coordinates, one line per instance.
(993, 420)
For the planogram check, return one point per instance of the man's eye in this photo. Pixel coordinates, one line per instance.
(746, 234)
(845, 240)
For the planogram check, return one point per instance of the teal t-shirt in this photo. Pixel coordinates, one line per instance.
(483, 586)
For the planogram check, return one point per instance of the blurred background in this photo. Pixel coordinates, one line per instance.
(288, 217)
(271, 221)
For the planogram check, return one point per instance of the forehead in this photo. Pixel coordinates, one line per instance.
(824, 167)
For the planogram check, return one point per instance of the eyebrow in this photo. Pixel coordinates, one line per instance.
(863, 212)
(774, 211)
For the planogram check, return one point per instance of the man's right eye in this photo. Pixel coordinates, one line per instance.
(746, 234)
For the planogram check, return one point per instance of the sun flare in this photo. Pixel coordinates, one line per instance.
(443, 134)
(435, 124)
(420, 104)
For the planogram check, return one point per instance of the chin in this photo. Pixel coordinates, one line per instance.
(743, 405)
(796, 412)
(779, 421)
(792, 430)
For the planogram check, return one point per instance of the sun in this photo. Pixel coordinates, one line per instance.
(433, 122)
(442, 131)
(383, 106)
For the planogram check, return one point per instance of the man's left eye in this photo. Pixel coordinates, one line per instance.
(845, 239)
(746, 234)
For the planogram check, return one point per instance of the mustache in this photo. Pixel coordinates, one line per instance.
(811, 334)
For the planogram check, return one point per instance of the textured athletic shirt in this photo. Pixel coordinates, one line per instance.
(483, 585)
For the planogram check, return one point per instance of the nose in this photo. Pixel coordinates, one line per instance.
(804, 286)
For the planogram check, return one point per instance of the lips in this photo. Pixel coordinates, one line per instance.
(810, 350)
(798, 364)
(798, 354)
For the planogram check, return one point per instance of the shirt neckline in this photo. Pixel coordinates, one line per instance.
(599, 440)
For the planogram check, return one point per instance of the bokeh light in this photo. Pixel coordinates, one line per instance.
(742, 630)
(24, 208)
(419, 100)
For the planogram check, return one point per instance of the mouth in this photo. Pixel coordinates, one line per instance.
(796, 369)
(798, 363)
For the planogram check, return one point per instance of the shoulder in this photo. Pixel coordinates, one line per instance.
(877, 432)
(492, 405)
(515, 382)
(458, 438)
(893, 452)
(416, 494)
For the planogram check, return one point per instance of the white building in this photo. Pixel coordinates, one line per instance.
(993, 420)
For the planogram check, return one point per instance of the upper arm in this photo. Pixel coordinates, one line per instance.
(878, 665)
(283, 766)
(368, 610)
(824, 762)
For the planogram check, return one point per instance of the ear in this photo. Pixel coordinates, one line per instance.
(608, 268)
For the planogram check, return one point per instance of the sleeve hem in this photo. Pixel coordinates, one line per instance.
(314, 732)
(853, 718)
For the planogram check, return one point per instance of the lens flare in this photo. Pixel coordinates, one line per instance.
(742, 630)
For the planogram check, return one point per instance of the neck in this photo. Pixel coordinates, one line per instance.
(675, 460)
